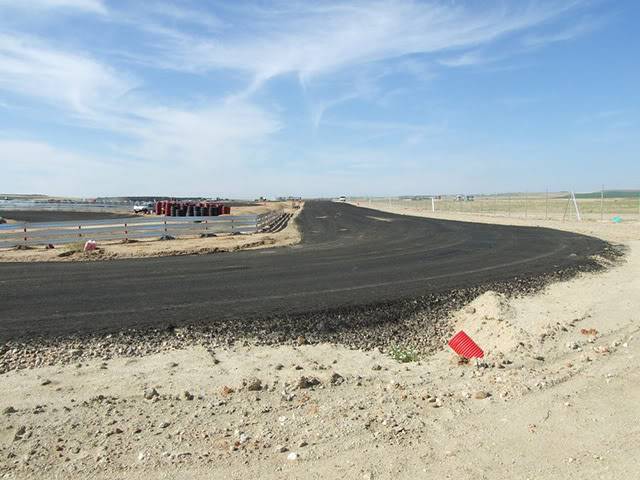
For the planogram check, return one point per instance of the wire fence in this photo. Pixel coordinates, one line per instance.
(563, 206)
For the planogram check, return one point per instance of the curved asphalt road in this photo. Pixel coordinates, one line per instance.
(349, 256)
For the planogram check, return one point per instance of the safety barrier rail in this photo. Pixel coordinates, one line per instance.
(265, 219)
(136, 228)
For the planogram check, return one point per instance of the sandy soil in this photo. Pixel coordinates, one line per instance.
(155, 248)
(557, 396)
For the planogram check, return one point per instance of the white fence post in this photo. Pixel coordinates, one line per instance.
(546, 206)
(575, 204)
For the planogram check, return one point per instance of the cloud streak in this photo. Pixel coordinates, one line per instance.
(312, 40)
(67, 80)
(346, 56)
(88, 6)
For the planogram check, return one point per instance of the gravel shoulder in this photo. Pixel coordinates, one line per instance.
(555, 397)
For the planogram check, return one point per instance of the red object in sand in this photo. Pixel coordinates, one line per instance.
(462, 344)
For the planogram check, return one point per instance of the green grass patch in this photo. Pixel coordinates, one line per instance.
(403, 354)
(76, 247)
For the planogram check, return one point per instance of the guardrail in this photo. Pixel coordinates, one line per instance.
(265, 219)
(136, 228)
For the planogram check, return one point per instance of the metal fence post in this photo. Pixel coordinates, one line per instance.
(546, 205)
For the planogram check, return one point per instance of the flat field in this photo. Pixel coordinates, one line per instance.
(519, 205)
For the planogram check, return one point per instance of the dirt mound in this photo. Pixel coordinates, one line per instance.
(488, 321)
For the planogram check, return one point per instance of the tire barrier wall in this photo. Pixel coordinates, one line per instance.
(171, 208)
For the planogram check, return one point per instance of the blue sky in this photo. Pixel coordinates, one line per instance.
(112, 97)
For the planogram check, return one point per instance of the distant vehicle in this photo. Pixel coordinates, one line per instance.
(465, 198)
(342, 199)
(143, 208)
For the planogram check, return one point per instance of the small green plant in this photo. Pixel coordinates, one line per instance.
(75, 247)
(403, 354)
(72, 248)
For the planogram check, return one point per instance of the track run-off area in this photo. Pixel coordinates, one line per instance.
(349, 257)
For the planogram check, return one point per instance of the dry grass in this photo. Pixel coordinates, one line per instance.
(534, 206)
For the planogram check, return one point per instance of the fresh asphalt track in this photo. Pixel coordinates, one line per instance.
(57, 215)
(349, 256)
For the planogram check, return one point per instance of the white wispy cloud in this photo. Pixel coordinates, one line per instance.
(90, 94)
(182, 14)
(572, 32)
(59, 171)
(337, 50)
(91, 6)
(212, 136)
(73, 81)
(466, 59)
(312, 39)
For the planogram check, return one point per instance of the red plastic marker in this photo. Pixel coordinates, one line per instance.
(464, 346)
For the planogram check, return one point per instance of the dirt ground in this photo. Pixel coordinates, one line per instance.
(155, 248)
(556, 397)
